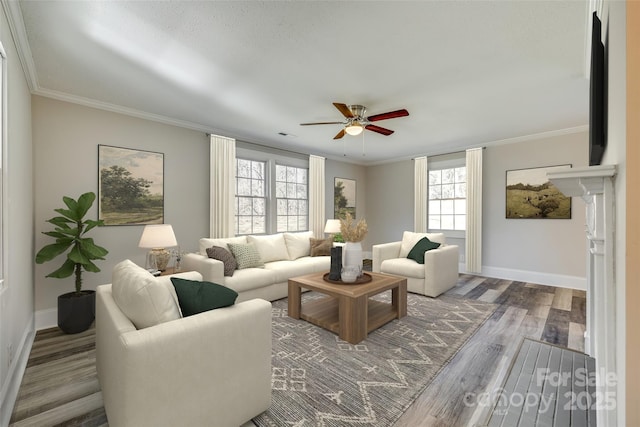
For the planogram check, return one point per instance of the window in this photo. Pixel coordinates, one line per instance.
(251, 200)
(292, 198)
(270, 197)
(448, 199)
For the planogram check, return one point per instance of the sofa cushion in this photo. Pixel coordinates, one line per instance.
(221, 254)
(423, 245)
(402, 267)
(298, 244)
(196, 297)
(250, 278)
(321, 247)
(409, 240)
(270, 247)
(206, 242)
(246, 255)
(144, 299)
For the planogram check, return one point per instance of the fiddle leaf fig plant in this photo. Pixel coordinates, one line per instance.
(70, 234)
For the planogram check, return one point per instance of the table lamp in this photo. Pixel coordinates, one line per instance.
(332, 226)
(157, 238)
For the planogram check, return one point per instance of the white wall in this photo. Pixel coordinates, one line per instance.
(16, 298)
(549, 251)
(66, 138)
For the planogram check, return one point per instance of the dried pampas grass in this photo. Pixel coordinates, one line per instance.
(352, 232)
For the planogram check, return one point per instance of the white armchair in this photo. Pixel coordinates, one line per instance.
(212, 368)
(438, 274)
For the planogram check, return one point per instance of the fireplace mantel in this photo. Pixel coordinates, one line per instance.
(594, 184)
(582, 182)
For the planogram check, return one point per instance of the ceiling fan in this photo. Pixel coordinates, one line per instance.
(356, 121)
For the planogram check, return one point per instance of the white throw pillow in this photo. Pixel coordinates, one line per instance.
(409, 240)
(270, 247)
(298, 244)
(206, 243)
(144, 299)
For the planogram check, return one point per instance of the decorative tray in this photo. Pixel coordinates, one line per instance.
(364, 278)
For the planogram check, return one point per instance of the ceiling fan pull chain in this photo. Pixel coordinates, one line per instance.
(362, 144)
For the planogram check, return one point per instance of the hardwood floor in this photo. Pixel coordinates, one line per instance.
(60, 387)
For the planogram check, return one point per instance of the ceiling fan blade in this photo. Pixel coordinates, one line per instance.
(378, 129)
(344, 110)
(389, 115)
(322, 123)
(340, 134)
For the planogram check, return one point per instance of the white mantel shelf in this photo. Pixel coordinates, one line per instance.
(581, 181)
(594, 184)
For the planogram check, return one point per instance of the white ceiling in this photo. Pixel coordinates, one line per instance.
(469, 72)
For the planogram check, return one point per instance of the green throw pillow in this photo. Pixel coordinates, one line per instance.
(246, 255)
(417, 252)
(195, 297)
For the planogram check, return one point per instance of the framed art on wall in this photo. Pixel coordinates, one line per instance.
(344, 197)
(130, 186)
(530, 195)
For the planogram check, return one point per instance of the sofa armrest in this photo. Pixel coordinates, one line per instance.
(157, 376)
(211, 269)
(384, 251)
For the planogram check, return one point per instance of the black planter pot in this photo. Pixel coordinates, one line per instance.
(76, 312)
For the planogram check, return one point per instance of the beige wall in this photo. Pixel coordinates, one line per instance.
(66, 138)
(541, 251)
(16, 296)
(632, 218)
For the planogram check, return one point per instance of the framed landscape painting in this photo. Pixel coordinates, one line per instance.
(130, 186)
(530, 195)
(344, 197)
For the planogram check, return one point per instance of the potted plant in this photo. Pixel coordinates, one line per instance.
(76, 310)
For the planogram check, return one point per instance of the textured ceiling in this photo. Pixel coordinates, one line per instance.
(469, 72)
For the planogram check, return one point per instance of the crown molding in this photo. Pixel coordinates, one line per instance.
(16, 26)
(92, 103)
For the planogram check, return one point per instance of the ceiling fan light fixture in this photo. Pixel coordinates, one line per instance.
(354, 129)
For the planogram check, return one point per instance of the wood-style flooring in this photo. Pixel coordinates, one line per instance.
(60, 387)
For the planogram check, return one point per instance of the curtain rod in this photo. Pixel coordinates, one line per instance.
(446, 154)
(267, 146)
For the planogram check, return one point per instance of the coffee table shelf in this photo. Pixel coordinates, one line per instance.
(324, 313)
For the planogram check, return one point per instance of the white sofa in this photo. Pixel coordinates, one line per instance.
(439, 272)
(212, 368)
(285, 255)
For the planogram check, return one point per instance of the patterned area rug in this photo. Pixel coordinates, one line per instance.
(320, 380)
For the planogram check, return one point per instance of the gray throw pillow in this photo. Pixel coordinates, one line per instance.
(221, 254)
(246, 255)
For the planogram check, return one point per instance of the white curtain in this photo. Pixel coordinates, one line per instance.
(473, 251)
(316, 195)
(222, 186)
(421, 194)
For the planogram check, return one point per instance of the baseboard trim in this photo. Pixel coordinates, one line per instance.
(46, 319)
(557, 280)
(16, 372)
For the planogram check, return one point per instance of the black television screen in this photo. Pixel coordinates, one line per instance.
(597, 96)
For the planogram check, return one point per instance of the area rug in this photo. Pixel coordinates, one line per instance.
(320, 380)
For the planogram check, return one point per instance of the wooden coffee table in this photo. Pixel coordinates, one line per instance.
(347, 310)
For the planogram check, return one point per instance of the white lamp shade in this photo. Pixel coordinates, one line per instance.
(332, 226)
(158, 236)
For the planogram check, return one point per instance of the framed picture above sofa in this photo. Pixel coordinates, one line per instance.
(530, 195)
(130, 186)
